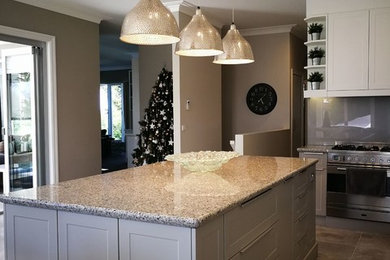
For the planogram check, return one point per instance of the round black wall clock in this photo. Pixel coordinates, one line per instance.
(261, 99)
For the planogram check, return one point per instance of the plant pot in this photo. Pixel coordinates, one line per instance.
(315, 36)
(316, 61)
(315, 85)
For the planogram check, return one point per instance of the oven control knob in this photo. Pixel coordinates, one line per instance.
(380, 160)
(356, 159)
(372, 160)
(388, 161)
(349, 158)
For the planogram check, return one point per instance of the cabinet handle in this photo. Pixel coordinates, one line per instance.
(341, 169)
(256, 240)
(303, 194)
(302, 217)
(312, 153)
(288, 179)
(246, 203)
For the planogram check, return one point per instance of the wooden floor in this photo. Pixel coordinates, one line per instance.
(341, 244)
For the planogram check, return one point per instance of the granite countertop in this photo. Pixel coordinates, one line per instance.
(315, 148)
(165, 192)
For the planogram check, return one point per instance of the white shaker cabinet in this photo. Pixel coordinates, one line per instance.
(379, 74)
(87, 237)
(141, 240)
(28, 229)
(348, 51)
(321, 179)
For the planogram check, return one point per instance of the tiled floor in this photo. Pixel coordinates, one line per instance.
(341, 244)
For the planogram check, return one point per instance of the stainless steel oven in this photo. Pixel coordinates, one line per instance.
(358, 185)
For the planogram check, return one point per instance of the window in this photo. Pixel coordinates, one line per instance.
(112, 110)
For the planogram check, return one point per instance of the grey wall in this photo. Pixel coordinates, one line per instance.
(271, 66)
(77, 56)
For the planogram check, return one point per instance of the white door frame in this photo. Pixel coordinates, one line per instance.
(51, 83)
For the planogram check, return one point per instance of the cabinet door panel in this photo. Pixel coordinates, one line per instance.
(140, 241)
(87, 237)
(348, 51)
(31, 233)
(379, 48)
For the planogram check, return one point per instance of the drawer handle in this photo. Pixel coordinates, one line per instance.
(302, 217)
(341, 169)
(289, 178)
(303, 194)
(312, 153)
(256, 240)
(246, 203)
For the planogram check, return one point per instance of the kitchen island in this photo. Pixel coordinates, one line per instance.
(250, 208)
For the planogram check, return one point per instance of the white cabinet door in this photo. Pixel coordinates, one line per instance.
(31, 233)
(380, 48)
(141, 241)
(348, 51)
(87, 237)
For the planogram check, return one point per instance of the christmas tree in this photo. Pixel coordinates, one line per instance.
(155, 140)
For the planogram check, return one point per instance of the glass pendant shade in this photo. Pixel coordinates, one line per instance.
(199, 38)
(150, 23)
(236, 49)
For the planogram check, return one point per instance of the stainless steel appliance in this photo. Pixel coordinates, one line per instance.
(358, 182)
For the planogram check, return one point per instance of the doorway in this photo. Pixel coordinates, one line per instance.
(20, 160)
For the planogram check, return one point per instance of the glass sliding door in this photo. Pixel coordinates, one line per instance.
(19, 118)
(112, 110)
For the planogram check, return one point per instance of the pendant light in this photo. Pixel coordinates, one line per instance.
(150, 23)
(236, 49)
(199, 38)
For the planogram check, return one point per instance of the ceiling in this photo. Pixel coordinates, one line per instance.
(248, 14)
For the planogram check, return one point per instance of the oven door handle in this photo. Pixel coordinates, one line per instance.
(341, 169)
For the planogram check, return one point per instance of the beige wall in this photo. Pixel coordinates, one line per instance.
(199, 81)
(271, 66)
(151, 61)
(77, 56)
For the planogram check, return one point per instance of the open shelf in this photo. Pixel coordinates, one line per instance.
(314, 67)
(316, 42)
(314, 93)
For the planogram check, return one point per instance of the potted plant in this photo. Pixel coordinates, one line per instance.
(315, 55)
(315, 30)
(315, 78)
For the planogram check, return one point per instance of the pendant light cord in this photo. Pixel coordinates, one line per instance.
(233, 16)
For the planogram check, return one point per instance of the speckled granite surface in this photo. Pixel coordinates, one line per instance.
(165, 192)
(315, 148)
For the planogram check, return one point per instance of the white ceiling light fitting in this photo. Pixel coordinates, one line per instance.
(150, 23)
(199, 38)
(236, 49)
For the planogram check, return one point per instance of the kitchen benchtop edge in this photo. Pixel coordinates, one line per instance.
(184, 218)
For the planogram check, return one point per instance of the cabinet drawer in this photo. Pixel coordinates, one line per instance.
(302, 225)
(302, 201)
(306, 241)
(245, 223)
(300, 182)
(264, 246)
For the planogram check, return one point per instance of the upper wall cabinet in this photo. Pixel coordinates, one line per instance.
(379, 73)
(359, 51)
(348, 49)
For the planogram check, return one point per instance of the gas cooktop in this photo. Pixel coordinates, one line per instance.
(367, 154)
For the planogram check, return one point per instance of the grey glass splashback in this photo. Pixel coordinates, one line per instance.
(352, 119)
